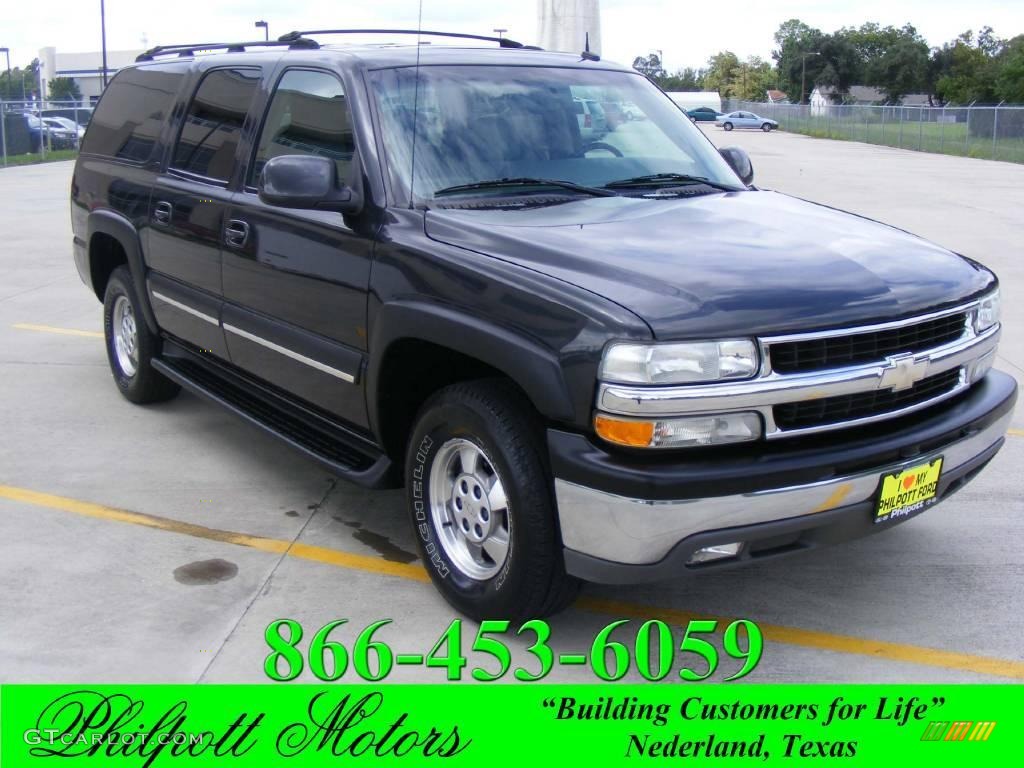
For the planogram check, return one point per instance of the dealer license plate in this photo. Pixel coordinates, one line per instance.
(909, 491)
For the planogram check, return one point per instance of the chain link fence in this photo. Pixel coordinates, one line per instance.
(991, 133)
(33, 131)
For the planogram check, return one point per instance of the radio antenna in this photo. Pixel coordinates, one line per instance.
(416, 108)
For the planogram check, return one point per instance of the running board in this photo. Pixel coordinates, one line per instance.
(339, 450)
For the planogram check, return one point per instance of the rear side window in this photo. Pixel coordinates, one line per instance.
(213, 125)
(308, 115)
(133, 109)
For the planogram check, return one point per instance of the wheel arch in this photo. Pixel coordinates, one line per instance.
(426, 337)
(105, 229)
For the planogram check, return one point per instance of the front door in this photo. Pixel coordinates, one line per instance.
(188, 206)
(295, 285)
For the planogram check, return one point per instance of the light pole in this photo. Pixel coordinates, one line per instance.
(266, 28)
(803, 72)
(7, 53)
(103, 35)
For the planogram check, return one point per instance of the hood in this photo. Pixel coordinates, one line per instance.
(734, 263)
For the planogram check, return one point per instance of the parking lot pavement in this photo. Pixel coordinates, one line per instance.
(157, 543)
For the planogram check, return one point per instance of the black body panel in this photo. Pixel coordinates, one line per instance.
(309, 307)
(730, 264)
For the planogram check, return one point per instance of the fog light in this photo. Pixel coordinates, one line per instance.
(717, 552)
(711, 429)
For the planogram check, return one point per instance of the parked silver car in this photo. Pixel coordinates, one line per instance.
(745, 120)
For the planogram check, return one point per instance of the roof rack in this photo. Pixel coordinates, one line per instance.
(189, 49)
(504, 42)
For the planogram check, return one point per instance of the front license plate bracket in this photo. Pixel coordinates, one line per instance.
(908, 491)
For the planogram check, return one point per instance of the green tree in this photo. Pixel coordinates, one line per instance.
(22, 82)
(750, 79)
(719, 74)
(650, 65)
(796, 46)
(838, 65)
(968, 68)
(65, 89)
(1010, 75)
(872, 40)
(901, 69)
(687, 79)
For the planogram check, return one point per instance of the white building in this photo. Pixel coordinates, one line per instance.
(566, 25)
(86, 69)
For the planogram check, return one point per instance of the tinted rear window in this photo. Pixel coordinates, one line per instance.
(133, 109)
(213, 125)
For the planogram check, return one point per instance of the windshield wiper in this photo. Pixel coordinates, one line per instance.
(667, 179)
(524, 182)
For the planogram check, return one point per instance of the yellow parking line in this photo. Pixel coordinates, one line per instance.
(1015, 432)
(277, 546)
(52, 329)
(805, 638)
(825, 641)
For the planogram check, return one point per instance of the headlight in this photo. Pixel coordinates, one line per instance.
(709, 429)
(686, 363)
(988, 312)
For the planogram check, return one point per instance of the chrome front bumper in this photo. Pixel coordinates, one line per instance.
(599, 526)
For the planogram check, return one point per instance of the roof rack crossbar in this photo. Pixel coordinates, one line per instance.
(189, 49)
(504, 42)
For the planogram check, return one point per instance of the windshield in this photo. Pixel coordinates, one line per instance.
(483, 123)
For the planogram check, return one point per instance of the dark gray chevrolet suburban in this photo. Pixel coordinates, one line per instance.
(603, 357)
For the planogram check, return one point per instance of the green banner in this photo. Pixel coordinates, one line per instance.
(472, 725)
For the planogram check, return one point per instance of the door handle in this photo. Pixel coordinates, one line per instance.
(236, 233)
(162, 212)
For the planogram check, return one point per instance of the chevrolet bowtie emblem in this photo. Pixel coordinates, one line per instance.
(902, 372)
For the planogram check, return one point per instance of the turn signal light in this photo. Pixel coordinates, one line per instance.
(682, 432)
(636, 434)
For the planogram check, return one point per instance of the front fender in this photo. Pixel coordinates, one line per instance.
(534, 368)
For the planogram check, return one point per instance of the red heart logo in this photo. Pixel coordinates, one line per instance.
(908, 482)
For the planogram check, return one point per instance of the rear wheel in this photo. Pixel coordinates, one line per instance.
(766, 127)
(481, 504)
(727, 126)
(130, 345)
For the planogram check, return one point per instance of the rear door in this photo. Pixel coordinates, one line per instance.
(188, 205)
(295, 284)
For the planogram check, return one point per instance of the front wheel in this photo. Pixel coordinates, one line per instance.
(481, 504)
(727, 126)
(767, 127)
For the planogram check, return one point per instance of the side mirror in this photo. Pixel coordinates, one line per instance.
(739, 161)
(309, 182)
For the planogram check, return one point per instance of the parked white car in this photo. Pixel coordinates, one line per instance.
(745, 120)
(66, 124)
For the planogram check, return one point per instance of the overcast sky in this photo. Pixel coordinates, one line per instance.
(687, 31)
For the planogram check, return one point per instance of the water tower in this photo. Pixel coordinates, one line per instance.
(563, 25)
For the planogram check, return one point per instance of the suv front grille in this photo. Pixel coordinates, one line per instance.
(832, 410)
(873, 346)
